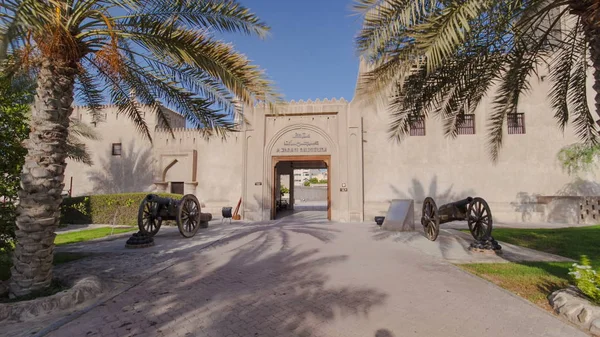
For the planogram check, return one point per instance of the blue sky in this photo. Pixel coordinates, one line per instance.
(310, 52)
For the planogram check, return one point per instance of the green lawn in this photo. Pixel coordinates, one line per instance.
(89, 234)
(536, 280)
(568, 242)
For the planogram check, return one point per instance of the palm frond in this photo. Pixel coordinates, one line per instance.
(183, 46)
(223, 16)
(163, 51)
(16, 16)
(584, 123)
(468, 47)
(120, 95)
(528, 51)
(78, 152)
(89, 91)
(79, 129)
(385, 22)
(561, 71)
(440, 35)
(386, 73)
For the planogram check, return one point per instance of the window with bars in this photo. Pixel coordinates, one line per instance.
(465, 124)
(417, 125)
(516, 123)
(116, 149)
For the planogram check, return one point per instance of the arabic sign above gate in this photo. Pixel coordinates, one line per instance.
(300, 142)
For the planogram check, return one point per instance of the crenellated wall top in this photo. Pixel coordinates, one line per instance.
(319, 101)
(309, 106)
(185, 137)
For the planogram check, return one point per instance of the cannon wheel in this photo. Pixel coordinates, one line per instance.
(479, 218)
(148, 220)
(430, 219)
(188, 215)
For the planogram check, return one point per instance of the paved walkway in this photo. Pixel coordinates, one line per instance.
(302, 279)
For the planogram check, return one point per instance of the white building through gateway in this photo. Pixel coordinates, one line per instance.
(365, 168)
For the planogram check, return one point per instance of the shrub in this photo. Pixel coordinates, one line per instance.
(121, 209)
(586, 279)
(14, 105)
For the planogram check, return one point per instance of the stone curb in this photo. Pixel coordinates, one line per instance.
(82, 290)
(574, 306)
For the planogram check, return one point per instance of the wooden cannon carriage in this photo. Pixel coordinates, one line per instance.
(186, 212)
(475, 211)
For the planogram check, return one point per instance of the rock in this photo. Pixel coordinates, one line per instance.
(595, 327)
(574, 306)
(139, 240)
(488, 244)
(583, 315)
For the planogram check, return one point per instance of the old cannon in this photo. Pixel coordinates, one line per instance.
(473, 210)
(186, 211)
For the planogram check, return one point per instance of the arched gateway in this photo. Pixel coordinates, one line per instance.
(303, 135)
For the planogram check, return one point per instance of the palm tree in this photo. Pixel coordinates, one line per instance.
(442, 56)
(16, 96)
(133, 52)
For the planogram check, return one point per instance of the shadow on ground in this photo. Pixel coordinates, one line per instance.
(258, 283)
(384, 333)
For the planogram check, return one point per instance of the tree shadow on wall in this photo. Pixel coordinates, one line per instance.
(418, 193)
(132, 171)
(527, 205)
(559, 210)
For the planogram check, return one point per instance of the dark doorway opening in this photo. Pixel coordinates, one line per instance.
(177, 187)
(301, 188)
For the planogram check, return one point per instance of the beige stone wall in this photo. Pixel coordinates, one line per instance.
(367, 169)
(133, 171)
(450, 169)
(216, 178)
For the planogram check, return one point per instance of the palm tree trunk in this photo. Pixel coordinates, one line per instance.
(38, 211)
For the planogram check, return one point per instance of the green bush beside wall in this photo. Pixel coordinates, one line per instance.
(120, 209)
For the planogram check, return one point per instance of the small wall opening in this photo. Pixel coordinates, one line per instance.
(177, 187)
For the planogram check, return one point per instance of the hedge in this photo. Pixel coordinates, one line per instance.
(121, 209)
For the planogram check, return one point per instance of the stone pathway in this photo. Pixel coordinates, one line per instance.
(297, 279)
(121, 268)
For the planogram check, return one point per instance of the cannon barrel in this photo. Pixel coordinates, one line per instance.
(454, 211)
(159, 200)
(462, 204)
